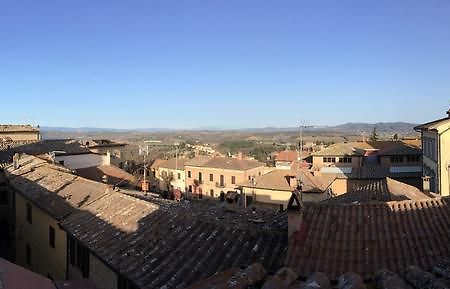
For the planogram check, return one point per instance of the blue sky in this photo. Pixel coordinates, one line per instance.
(229, 64)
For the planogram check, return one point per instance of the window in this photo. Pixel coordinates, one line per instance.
(72, 251)
(329, 160)
(413, 159)
(29, 214)
(3, 195)
(82, 259)
(211, 177)
(179, 176)
(259, 174)
(28, 255)
(396, 159)
(122, 283)
(190, 189)
(233, 180)
(200, 177)
(51, 236)
(189, 174)
(429, 148)
(222, 181)
(211, 193)
(345, 160)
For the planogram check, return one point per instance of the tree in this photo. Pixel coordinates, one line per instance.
(167, 179)
(374, 135)
(395, 138)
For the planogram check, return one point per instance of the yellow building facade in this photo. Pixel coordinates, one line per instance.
(35, 248)
(436, 155)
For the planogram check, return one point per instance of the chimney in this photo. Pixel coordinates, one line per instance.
(295, 218)
(16, 158)
(291, 180)
(426, 184)
(107, 159)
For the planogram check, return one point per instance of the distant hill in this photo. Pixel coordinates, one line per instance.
(98, 129)
(382, 127)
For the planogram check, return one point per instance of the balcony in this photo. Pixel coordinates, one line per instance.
(198, 182)
(220, 185)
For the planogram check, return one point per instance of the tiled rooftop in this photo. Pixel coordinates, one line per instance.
(115, 175)
(386, 148)
(17, 128)
(164, 246)
(173, 164)
(16, 277)
(380, 190)
(282, 180)
(286, 155)
(365, 238)
(13, 276)
(51, 187)
(224, 163)
(255, 277)
(434, 125)
(259, 219)
(373, 172)
(42, 147)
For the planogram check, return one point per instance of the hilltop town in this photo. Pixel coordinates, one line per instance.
(278, 209)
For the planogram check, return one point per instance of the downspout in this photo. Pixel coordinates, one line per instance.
(439, 163)
(67, 256)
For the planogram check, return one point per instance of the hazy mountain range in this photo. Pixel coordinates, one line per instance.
(382, 127)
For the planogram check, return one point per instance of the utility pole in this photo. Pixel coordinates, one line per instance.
(144, 152)
(176, 155)
(300, 158)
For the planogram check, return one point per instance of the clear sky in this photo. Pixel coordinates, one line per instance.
(229, 64)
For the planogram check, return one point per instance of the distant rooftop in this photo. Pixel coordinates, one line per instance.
(287, 155)
(282, 180)
(17, 128)
(224, 163)
(69, 146)
(388, 148)
(381, 190)
(440, 124)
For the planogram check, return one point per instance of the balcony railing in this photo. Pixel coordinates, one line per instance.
(220, 185)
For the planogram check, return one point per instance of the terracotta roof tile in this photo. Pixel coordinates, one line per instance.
(174, 164)
(381, 190)
(224, 163)
(17, 128)
(165, 243)
(359, 148)
(368, 237)
(51, 187)
(285, 180)
(287, 155)
(116, 176)
(434, 125)
(43, 147)
(16, 277)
